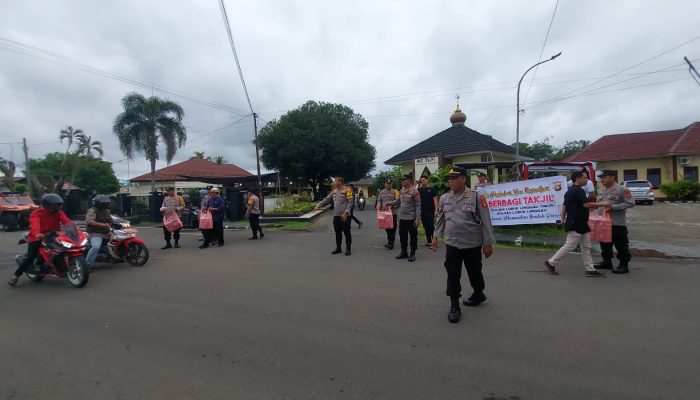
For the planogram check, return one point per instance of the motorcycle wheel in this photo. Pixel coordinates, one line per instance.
(78, 272)
(137, 254)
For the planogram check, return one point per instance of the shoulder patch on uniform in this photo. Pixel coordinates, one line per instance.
(484, 203)
(628, 194)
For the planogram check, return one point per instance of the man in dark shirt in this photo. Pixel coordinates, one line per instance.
(574, 214)
(428, 202)
(217, 207)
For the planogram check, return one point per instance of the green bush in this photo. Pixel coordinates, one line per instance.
(292, 204)
(681, 190)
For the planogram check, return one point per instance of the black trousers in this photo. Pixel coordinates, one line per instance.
(216, 234)
(391, 233)
(342, 227)
(408, 227)
(32, 252)
(428, 221)
(175, 235)
(453, 264)
(254, 220)
(621, 243)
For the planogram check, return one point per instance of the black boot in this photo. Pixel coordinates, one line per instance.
(177, 244)
(167, 245)
(412, 256)
(623, 268)
(455, 312)
(475, 299)
(402, 255)
(390, 246)
(347, 249)
(337, 250)
(605, 264)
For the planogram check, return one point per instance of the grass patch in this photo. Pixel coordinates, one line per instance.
(292, 226)
(301, 207)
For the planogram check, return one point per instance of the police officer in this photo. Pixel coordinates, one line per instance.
(620, 200)
(253, 215)
(409, 216)
(463, 216)
(342, 199)
(387, 195)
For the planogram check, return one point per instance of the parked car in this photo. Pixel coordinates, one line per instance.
(14, 210)
(642, 191)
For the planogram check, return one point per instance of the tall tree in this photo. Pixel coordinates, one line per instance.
(92, 175)
(7, 168)
(147, 121)
(68, 134)
(198, 155)
(570, 148)
(219, 160)
(316, 141)
(86, 145)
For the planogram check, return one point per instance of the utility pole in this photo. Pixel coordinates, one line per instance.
(257, 162)
(692, 69)
(27, 175)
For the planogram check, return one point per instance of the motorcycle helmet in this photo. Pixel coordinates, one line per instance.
(101, 201)
(51, 202)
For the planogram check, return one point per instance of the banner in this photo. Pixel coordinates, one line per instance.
(535, 201)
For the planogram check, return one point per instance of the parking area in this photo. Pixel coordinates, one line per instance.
(669, 228)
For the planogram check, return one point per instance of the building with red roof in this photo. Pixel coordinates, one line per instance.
(659, 157)
(191, 174)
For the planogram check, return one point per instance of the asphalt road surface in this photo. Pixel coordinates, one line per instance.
(281, 318)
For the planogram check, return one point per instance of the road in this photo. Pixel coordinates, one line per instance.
(281, 318)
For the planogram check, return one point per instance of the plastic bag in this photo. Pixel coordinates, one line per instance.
(385, 219)
(205, 220)
(172, 222)
(601, 227)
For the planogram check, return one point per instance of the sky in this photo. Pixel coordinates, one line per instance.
(398, 64)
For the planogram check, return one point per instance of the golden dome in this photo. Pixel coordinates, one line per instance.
(458, 117)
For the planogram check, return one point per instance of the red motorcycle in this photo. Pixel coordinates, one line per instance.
(123, 245)
(62, 255)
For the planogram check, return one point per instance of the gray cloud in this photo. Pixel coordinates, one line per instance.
(294, 51)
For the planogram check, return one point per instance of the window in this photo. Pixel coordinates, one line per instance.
(630, 175)
(690, 174)
(654, 176)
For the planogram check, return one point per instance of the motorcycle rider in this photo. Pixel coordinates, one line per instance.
(361, 197)
(98, 222)
(46, 219)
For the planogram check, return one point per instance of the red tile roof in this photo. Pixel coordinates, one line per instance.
(628, 146)
(196, 167)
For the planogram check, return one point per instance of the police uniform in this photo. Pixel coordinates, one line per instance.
(409, 211)
(342, 199)
(465, 221)
(384, 197)
(172, 204)
(253, 215)
(620, 199)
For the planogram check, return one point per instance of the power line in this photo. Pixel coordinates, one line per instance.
(628, 68)
(28, 50)
(542, 51)
(235, 53)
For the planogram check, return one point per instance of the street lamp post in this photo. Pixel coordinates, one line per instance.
(517, 124)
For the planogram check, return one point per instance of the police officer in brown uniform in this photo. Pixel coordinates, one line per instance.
(463, 216)
(342, 199)
(409, 216)
(387, 195)
(620, 200)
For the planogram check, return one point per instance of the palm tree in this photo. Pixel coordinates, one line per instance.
(144, 122)
(198, 155)
(219, 160)
(86, 145)
(69, 134)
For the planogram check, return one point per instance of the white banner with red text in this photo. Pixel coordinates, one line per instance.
(534, 201)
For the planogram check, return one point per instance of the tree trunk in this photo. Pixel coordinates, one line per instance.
(153, 175)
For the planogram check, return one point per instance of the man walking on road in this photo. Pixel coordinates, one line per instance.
(409, 216)
(387, 195)
(342, 199)
(620, 200)
(216, 207)
(575, 217)
(429, 204)
(464, 217)
(253, 215)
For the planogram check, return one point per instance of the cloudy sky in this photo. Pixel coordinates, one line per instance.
(399, 64)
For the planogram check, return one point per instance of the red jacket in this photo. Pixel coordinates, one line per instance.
(42, 221)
